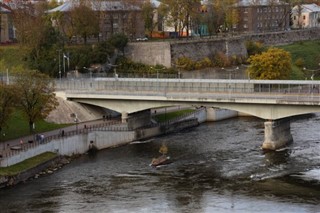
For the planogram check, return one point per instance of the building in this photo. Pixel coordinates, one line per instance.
(6, 26)
(114, 17)
(262, 16)
(306, 16)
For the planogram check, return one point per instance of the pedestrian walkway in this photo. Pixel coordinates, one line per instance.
(13, 146)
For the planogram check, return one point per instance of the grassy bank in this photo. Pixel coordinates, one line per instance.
(308, 51)
(27, 164)
(172, 115)
(18, 127)
(304, 54)
(12, 55)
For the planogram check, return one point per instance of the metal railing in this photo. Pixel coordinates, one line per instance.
(196, 88)
(110, 125)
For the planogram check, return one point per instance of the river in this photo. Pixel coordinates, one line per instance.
(216, 167)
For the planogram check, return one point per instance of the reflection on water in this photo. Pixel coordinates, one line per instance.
(216, 167)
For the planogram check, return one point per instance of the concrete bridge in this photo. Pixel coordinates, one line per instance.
(274, 101)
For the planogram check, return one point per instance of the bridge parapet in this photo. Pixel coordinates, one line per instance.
(301, 92)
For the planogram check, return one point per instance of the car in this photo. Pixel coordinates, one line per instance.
(142, 39)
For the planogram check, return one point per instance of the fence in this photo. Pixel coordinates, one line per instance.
(110, 125)
(200, 88)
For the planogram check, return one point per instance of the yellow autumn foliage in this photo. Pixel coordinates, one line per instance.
(274, 64)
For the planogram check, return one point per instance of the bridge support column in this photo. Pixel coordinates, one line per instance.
(124, 117)
(276, 134)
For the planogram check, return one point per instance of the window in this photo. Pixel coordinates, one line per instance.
(304, 17)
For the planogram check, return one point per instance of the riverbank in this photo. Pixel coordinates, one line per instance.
(32, 168)
(101, 138)
(49, 162)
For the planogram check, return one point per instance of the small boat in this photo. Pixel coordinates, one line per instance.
(162, 160)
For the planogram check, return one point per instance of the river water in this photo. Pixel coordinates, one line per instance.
(216, 167)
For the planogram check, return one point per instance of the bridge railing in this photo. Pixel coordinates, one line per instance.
(201, 88)
(110, 125)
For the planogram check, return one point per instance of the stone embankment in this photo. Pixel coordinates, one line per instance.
(46, 168)
(167, 52)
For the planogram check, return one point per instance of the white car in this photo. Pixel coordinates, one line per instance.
(142, 39)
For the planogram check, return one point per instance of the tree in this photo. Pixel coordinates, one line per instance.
(274, 64)
(226, 16)
(84, 21)
(36, 36)
(179, 14)
(36, 95)
(119, 41)
(7, 98)
(148, 16)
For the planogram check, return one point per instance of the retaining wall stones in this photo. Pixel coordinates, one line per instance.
(166, 53)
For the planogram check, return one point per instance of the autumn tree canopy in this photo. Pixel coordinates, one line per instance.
(36, 95)
(84, 21)
(7, 98)
(274, 64)
(179, 13)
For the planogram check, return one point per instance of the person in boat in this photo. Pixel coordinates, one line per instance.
(163, 158)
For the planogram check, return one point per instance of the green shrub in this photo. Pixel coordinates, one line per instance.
(254, 47)
(186, 63)
(299, 62)
(221, 60)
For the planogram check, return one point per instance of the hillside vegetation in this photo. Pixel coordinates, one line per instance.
(307, 52)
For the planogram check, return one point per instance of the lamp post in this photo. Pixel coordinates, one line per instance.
(8, 82)
(312, 77)
(64, 63)
(313, 71)
(180, 67)
(59, 63)
(90, 72)
(157, 70)
(237, 69)
(75, 119)
(115, 70)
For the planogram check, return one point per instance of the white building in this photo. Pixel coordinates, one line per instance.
(306, 16)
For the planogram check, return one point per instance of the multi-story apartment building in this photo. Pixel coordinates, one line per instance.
(114, 17)
(262, 16)
(306, 16)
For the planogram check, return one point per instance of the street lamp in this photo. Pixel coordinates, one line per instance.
(75, 119)
(8, 82)
(59, 63)
(115, 70)
(230, 71)
(180, 67)
(64, 63)
(316, 70)
(90, 72)
(157, 70)
(237, 69)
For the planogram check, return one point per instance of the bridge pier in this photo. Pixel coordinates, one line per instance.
(124, 117)
(276, 134)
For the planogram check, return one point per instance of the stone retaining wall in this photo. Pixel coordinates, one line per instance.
(166, 53)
